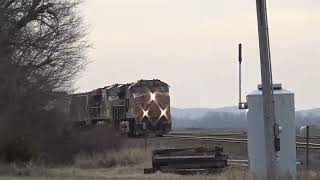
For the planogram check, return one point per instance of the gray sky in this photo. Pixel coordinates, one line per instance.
(192, 45)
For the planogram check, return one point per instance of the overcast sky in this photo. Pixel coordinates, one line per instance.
(192, 45)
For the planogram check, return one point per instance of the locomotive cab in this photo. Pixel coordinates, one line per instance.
(150, 107)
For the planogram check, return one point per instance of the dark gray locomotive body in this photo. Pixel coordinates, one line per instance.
(133, 108)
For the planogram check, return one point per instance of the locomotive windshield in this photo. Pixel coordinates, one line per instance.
(147, 89)
(139, 90)
(163, 89)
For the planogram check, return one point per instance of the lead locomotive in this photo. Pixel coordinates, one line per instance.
(133, 108)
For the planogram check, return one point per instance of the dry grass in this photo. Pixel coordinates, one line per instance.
(27, 169)
(14, 172)
(310, 175)
(125, 164)
(123, 157)
(126, 173)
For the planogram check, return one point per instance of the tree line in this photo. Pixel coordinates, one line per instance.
(43, 48)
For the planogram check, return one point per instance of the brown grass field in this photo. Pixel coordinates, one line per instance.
(128, 163)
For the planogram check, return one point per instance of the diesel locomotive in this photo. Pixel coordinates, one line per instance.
(133, 108)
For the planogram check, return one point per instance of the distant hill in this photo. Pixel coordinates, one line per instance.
(229, 117)
(199, 112)
(189, 113)
(308, 117)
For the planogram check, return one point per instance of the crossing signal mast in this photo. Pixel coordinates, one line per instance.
(267, 90)
(241, 105)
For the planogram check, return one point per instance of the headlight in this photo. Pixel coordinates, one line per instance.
(152, 97)
(163, 113)
(145, 113)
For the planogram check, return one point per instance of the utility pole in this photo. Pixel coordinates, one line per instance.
(267, 89)
(307, 147)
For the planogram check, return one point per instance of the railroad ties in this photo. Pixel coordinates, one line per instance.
(188, 160)
(205, 160)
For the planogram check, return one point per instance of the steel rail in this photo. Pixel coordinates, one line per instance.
(208, 134)
(244, 134)
(231, 140)
(210, 139)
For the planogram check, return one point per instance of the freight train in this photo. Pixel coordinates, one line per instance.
(133, 108)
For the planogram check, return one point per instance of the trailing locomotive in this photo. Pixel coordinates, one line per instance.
(133, 108)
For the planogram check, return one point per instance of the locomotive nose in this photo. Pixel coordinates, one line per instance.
(154, 111)
(154, 106)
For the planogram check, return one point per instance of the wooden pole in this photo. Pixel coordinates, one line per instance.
(307, 147)
(267, 90)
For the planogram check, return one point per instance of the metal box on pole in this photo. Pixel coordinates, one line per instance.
(285, 117)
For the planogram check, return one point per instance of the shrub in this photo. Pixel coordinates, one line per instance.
(18, 149)
(50, 139)
(123, 157)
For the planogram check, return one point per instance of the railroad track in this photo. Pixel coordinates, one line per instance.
(209, 134)
(240, 138)
(243, 134)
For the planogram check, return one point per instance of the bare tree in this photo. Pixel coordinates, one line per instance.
(44, 45)
(42, 49)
